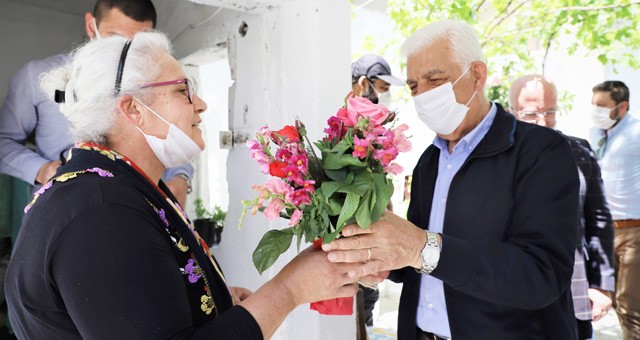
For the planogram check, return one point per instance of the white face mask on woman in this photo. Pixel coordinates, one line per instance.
(601, 117)
(176, 150)
(439, 110)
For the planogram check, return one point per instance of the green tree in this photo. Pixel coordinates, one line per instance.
(510, 29)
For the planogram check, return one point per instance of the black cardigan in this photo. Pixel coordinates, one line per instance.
(96, 259)
(509, 236)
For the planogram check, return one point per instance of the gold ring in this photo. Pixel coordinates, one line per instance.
(369, 254)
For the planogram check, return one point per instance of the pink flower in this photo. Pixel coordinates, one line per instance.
(278, 187)
(361, 147)
(360, 106)
(348, 118)
(393, 168)
(273, 209)
(295, 217)
(299, 197)
(385, 155)
(400, 139)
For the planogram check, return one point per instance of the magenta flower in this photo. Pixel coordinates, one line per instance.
(335, 128)
(299, 197)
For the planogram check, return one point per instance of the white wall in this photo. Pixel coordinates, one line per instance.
(293, 61)
(30, 33)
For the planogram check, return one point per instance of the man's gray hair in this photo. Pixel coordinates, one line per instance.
(88, 81)
(463, 40)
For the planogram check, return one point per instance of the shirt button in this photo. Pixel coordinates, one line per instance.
(430, 306)
(448, 166)
(443, 200)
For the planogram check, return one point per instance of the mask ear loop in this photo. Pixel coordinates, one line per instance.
(617, 108)
(150, 109)
(460, 77)
(95, 28)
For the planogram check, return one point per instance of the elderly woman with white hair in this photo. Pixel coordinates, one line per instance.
(105, 252)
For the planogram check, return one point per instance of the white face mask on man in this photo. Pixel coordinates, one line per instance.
(601, 117)
(438, 108)
(176, 150)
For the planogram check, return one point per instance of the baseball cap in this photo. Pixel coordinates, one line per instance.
(373, 66)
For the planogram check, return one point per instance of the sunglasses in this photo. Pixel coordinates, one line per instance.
(190, 90)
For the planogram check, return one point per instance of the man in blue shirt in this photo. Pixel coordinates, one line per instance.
(616, 138)
(487, 250)
(28, 117)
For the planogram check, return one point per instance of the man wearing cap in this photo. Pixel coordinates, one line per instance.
(371, 77)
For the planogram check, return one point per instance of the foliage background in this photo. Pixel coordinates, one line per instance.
(510, 29)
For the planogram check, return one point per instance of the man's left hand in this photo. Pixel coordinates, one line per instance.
(600, 303)
(179, 188)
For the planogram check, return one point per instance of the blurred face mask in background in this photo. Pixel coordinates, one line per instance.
(601, 117)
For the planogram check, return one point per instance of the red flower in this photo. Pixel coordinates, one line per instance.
(277, 169)
(288, 134)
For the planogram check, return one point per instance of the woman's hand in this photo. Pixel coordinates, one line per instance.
(311, 277)
(239, 294)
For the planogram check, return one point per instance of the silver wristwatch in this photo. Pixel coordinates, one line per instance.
(430, 254)
(188, 180)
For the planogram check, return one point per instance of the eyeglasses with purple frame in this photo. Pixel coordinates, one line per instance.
(190, 90)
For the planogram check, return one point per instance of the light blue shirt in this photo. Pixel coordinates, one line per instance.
(432, 307)
(620, 166)
(28, 110)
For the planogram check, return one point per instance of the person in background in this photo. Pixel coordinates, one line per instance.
(615, 136)
(29, 116)
(533, 99)
(371, 78)
(487, 250)
(105, 252)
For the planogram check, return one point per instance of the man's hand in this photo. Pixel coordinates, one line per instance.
(179, 188)
(600, 303)
(47, 170)
(390, 243)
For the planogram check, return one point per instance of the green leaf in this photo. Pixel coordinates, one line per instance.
(271, 246)
(337, 175)
(328, 188)
(383, 191)
(332, 161)
(351, 203)
(363, 215)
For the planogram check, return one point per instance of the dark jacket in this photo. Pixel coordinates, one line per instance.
(509, 236)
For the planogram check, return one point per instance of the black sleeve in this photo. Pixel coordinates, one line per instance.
(118, 279)
(598, 228)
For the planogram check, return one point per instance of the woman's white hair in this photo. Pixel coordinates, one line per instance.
(463, 40)
(88, 81)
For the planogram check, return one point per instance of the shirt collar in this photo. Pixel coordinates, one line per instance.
(473, 138)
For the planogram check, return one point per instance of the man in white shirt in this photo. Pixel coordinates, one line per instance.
(616, 138)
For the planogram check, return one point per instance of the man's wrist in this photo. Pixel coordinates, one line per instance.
(187, 179)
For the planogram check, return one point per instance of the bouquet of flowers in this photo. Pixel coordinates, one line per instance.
(348, 183)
